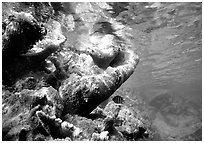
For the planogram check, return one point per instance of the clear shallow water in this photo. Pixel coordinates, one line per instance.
(169, 75)
(167, 37)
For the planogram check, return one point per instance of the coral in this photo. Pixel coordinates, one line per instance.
(103, 63)
(16, 40)
(103, 136)
(122, 122)
(57, 80)
(19, 109)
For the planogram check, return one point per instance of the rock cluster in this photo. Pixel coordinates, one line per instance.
(53, 82)
(29, 115)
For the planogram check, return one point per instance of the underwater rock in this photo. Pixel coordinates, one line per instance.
(125, 126)
(122, 122)
(74, 127)
(19, 109)
(14, 115)
(98, 65)
(87, 126)
(118, 7)
(19, 44)
(40, 118)
(103, 60)
(59, 78)
(52, 102)
(17, 29)
(16, 39)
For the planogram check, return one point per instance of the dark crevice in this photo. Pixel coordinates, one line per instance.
(17, 39)
(118, 60)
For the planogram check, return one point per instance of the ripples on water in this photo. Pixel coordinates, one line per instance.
(168, 39)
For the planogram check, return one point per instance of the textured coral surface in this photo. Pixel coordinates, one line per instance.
(60, 61)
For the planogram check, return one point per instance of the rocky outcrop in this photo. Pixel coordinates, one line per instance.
(63, 74)
(99, 62)
(29, 115)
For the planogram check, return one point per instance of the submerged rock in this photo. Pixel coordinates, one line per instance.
(98, 65)
(63, 75)
(16, 40)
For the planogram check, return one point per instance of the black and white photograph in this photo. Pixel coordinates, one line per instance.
(101, 71)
